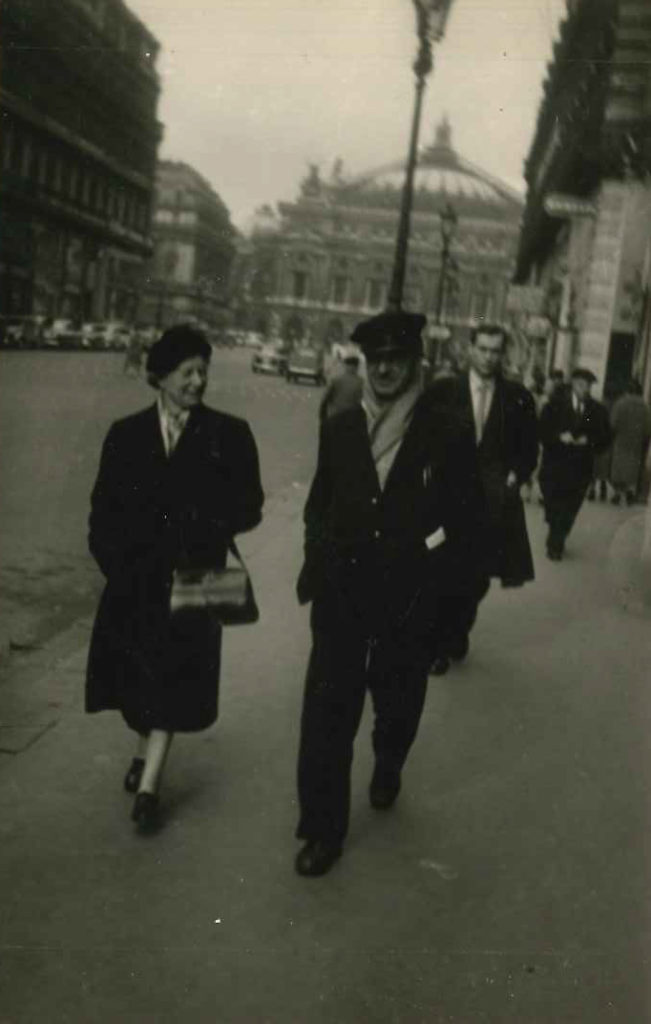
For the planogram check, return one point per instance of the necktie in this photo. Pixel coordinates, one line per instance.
(482, 405)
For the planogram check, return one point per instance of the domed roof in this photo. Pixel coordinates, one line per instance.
(441, 172)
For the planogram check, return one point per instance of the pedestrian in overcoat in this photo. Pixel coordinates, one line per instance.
(175, 483)
(574, 428)
(630, 419)
(394, 519)
(502, 416)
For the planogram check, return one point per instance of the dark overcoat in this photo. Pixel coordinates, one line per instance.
(380, 559)
(150, 514)
(509, 444)
(630, 419)
(566, 470)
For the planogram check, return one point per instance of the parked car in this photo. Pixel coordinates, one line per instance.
(269, 359)
(21, 331)
(306, 364)
(106, 334)
(63, 333)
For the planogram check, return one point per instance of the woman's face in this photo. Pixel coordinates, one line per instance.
(184, 386)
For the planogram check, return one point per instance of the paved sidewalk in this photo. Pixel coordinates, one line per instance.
(506, 885)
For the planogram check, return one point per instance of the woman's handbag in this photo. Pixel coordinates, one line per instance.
(225, 594)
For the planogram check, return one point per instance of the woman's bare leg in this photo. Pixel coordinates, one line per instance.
(158, 745)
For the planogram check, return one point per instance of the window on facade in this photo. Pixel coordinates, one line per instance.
(375, 292)
(300, 284)
(340, 290)
(72, 181)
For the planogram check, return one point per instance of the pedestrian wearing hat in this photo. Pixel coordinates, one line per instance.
(393, 517)
(175, 483)
(502, 416)
(574, 428)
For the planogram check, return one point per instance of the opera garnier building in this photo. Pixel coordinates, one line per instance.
(312, 268)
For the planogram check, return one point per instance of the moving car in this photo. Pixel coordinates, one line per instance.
(269, 359)
(108, 334)
(306, 364)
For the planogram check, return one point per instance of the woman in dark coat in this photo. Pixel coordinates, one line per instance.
(175, 483)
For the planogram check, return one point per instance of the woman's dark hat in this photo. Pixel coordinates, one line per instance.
(390, 332)
(175, 346)
(581, 374)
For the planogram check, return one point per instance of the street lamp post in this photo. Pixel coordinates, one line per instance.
(448, 223)
(431, 18)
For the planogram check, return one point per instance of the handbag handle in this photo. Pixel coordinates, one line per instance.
(234, 550)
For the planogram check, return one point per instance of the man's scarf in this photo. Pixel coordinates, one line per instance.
(387, 425)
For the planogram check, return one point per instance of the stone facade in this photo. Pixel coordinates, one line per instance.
(79, 142)
(316, 266)
(593, 145)
(194, 244)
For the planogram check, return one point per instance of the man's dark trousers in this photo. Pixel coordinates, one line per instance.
(342, 666)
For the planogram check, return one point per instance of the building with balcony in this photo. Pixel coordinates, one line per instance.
(588, 211)
(315, 267)
(80, 136)
(194, 243)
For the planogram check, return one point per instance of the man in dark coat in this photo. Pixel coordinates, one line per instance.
(175, 483)
(502, 417)
(393, 520)
(573, 429)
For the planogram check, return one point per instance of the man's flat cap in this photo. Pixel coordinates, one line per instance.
(390, 332)
(582, 374)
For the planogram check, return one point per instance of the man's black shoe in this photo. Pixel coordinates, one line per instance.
(554, 555)
(439, 666)
(316, 858)
(384, 789)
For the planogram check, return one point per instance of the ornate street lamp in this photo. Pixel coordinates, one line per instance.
(431, 19)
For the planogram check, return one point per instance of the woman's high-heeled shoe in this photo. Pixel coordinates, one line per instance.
(134, 775)
(145, 812)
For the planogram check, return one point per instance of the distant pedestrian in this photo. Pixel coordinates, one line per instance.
(630, 419)
(175, 483)
(345, 388)
(134, 355)
(573, 429)
(502, 416)
(393, 522)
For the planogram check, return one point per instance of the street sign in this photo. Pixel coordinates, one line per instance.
(561, 204)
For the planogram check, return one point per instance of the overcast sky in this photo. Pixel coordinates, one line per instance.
(255, 90)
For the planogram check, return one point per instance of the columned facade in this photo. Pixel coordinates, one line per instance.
(316, 266)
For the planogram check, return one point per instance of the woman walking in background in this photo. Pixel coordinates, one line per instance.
(175, 483)
(630, 419)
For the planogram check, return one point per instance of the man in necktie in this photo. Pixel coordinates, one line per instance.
(573, 429)
(503, 414)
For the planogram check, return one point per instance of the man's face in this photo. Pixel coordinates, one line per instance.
(581, 388)
(486, 354)
(390, 373)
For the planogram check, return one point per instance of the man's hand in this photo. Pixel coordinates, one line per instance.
(511, 479)
(582, 439)
(567, 437)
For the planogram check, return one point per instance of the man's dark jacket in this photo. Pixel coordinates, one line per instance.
(567, 468)
(509, 443)
(367, 558)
